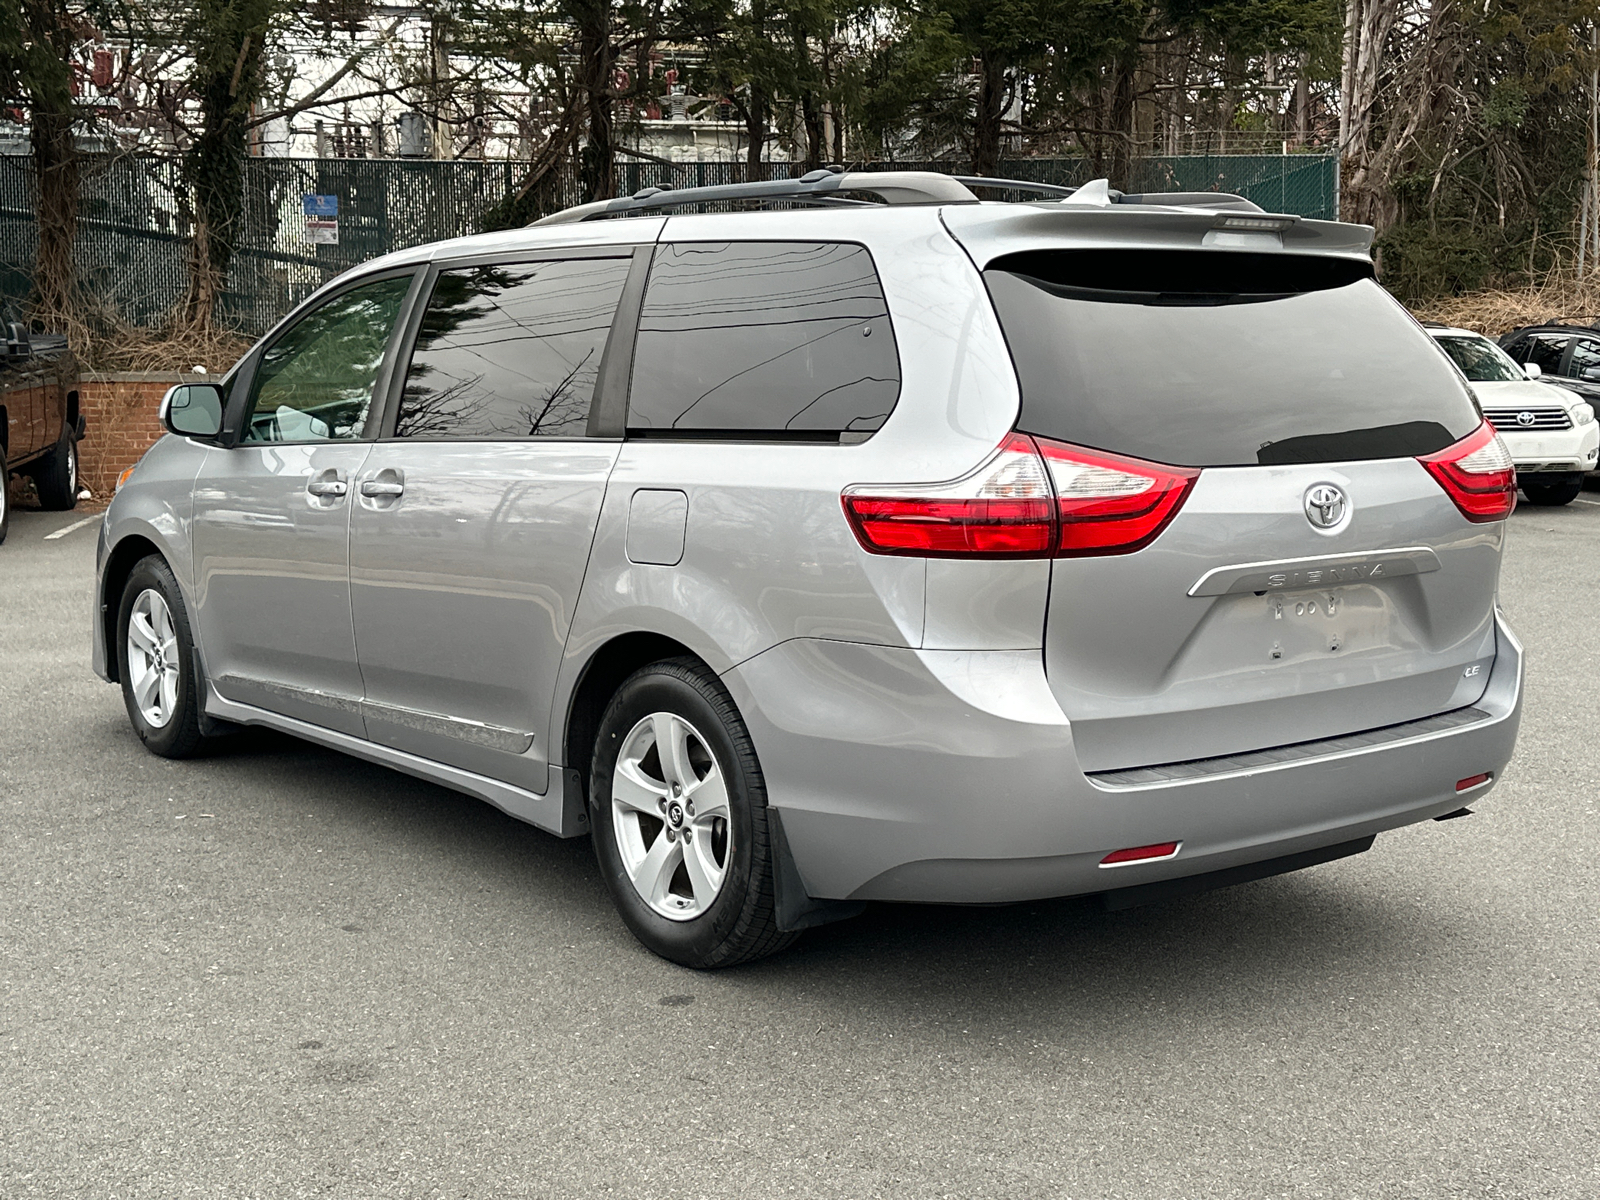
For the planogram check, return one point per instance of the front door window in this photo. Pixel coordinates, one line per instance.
(315, 382)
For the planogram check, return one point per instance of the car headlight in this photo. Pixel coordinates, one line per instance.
(1582, 414)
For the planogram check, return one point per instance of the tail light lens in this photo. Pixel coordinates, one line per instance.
(1001, 510)
(1032, 499)
(1108, 504)
(1477, 474)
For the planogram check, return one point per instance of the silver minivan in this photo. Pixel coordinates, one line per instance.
(850, 538)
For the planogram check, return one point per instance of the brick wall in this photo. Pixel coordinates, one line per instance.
(121, 410)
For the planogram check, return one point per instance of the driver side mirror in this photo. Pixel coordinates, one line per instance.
(1532, 370)
(193, 410)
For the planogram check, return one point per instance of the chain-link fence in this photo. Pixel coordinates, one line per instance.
(133, 234)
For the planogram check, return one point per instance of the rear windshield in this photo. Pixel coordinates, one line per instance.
(1213, 358)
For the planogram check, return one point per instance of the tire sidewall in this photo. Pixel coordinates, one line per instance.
(667, 688)
(1553, 495)
(180, 732)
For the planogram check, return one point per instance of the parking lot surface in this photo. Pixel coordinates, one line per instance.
(279, 972)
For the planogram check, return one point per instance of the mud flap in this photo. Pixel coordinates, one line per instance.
(795, 909)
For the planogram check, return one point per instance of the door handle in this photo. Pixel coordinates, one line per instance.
(327, 487)
(382, 487)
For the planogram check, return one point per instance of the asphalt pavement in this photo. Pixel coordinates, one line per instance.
(279, 972)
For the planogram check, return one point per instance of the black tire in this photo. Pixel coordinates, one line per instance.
(740, 925)
(56, 477)
(5, 496)
(179, 736)
(1562, 489)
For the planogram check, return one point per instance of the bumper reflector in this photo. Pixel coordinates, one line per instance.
(1140, 854)
(1473, 781)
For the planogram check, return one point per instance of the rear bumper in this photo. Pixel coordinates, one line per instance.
(950, 776)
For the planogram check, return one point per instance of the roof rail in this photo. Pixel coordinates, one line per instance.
(815, 187)
(832, 187)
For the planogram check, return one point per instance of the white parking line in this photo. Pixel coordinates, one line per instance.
(1581, 500)
(76, 525)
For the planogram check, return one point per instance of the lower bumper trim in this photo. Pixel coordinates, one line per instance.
(1189, 885)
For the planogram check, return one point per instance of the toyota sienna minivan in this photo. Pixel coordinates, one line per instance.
(850, 538)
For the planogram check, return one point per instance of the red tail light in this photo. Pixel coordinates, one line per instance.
(1108, 504)
(1477, 474)
(1032, 499)
(1001, 510)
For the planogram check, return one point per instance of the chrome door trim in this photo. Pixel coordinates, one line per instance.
(492, 737)
(479, 733)
(1319, 570)
(287, 691)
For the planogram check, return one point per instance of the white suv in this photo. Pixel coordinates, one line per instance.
(1551, 432)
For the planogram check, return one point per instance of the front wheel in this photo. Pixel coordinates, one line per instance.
(155, 661)
(56, 478)
(678, 811)
(1563, 489)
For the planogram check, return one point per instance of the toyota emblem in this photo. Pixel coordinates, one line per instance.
(1525, 418)
(1326, 506)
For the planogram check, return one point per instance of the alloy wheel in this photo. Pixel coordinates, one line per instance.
(669, 811)
(153, 658)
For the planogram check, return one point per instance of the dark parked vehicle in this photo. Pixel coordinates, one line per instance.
(39, 419)
(1567, 355)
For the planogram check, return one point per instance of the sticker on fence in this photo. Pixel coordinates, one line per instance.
(322, 219)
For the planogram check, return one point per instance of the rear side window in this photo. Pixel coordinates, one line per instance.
(1212, 358)
(1585, 363)
(1544, 349)
(511, 350)
(763, 339)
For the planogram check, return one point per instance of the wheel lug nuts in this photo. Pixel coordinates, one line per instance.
(690, 808)
(688, 835)
(672, 834)
(661, 802)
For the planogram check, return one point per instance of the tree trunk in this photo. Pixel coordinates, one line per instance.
(597, 62)
(55, 161)
(215, 168)
(755, 129)
(1367, 26)
(1123, 90)
(990, 111)
(47, 83)
(811, 118)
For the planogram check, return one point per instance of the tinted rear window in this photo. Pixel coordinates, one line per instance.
(764, 339)
(1223, 359)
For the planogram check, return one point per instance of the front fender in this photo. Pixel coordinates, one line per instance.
(152, 513)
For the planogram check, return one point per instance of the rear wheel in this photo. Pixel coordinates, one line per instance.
(155, 661)
(679, 817)
(56, 478)
(1556, 490)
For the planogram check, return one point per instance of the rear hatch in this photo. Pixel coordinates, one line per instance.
(1318, 579)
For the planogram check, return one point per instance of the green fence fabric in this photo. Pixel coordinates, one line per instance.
(132, 243)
